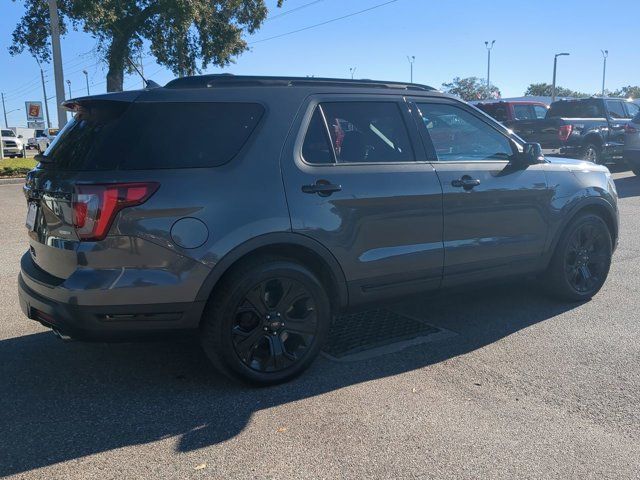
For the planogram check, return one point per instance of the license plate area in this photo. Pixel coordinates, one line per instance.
(32, 216)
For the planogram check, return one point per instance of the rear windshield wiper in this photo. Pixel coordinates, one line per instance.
(42, 158)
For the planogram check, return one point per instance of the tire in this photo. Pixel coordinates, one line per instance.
(266, 322)
(582, 259)
(592, 153)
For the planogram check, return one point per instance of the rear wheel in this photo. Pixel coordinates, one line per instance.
(591, 153)
(267, 322)
(581, 262)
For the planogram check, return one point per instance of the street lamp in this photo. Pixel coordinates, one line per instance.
(489, 47)
(69, 85)
(86, 77)
(352, 71)
(411, 60)
(605, 54)
(555, 67)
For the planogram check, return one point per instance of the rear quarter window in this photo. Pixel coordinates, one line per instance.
(147, 136)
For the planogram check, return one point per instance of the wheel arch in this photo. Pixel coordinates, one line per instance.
(290, 245)
(596, 205)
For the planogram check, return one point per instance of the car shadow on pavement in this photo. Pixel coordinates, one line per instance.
(62, 401)
(628, 186)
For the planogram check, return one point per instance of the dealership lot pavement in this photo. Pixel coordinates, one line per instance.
(520, 387)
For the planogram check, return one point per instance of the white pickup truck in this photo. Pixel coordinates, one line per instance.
(42, 138)
(11, 144)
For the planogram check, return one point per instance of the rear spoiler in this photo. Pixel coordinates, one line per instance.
(128, 96)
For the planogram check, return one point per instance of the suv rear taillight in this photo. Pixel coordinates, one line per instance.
(628, 128)
(96, 205)
(565, 132)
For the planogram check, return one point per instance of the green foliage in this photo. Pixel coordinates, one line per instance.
(16, 167)
(627, 92)
(546, 90)
(186, 36)
(471, 88)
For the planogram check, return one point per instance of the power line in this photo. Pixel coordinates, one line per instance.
(323, 23)
(293, 10)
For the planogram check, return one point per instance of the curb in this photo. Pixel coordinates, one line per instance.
(11, 181)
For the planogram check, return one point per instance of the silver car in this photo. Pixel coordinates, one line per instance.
(632, 144)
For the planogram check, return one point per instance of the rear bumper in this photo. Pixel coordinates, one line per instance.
(108, 322)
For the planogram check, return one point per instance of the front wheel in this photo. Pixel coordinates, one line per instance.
(267, 322)
(582, 259)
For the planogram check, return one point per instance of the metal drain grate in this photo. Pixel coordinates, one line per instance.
(358, 332)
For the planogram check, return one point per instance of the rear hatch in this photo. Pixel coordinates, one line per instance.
(76, 156)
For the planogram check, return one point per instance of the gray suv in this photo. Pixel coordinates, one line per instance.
(309, 197)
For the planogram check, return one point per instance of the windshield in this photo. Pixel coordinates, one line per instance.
(8, 133)
(576, 109)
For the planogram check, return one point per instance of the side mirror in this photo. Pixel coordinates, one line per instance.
(530, 155)
(20, 136)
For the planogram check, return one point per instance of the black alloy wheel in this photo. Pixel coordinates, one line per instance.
(581, 262)
(274, 325)
(267, 321)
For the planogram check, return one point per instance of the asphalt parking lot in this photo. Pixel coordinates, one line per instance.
(519, 387)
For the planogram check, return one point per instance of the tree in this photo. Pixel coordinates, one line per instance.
(627, 92)
(184, 35)
(546, 90)
(471, 88)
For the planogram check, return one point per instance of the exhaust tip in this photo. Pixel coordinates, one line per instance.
(61, 336)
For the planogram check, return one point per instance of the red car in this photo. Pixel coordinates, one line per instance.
(505, 111)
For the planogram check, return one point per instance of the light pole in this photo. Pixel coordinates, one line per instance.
(4, 110)
(605, 54)
(412, 60)
(86, 77)
(69, 85)
(489, 48)
(352, 71)
(57, 61)
(555, 68)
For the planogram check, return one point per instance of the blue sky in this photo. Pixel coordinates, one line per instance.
(447, 38)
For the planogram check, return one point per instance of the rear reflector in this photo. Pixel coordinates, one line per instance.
(630, 129)
(565, 132)
(96, 205)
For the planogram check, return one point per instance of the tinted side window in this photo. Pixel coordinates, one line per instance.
(368, 132)
(316, 147)
(457, 135)
(118, 135)
(633, 109)
(616, 109)
(540, 111)
(523, 112)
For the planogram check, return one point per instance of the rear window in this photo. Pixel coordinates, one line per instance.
(578, 109)
(496, 110)
(141, 136)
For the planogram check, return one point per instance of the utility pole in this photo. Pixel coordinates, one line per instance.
(411, 60)
(44, 92)
(86, 77)
(352, 71)
(555, 68)
(4, 110)
(605, 54)
(489, 48)
(57, 61)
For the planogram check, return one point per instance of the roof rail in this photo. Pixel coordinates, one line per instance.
(228, 80)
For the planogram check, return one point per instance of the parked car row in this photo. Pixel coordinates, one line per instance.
(42, 138)
(592, 129)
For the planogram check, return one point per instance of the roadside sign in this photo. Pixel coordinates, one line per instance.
(34, 112)
(36, 125)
